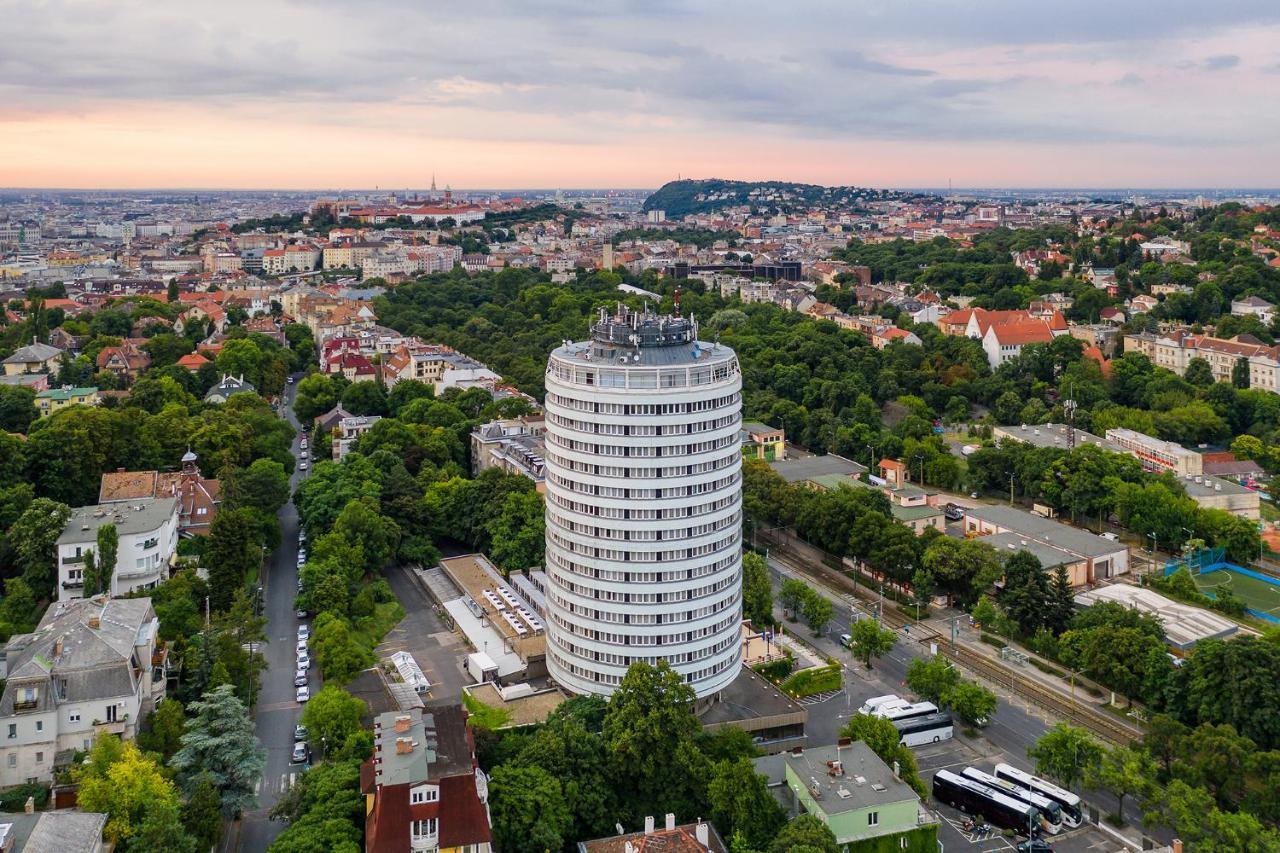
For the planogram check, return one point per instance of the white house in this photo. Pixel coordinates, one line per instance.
(1257, 306)
(148, 541)
(92, 665)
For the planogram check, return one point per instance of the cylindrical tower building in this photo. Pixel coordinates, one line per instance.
(644, 504)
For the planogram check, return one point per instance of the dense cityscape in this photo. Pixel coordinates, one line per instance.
(909, 486)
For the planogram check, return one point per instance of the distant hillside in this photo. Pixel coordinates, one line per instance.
(680, 198)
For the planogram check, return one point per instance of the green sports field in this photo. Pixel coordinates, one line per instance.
(1256, 594)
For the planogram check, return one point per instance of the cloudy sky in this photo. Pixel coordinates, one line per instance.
(271, 93)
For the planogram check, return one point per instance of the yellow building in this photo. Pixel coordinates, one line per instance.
(56, 399)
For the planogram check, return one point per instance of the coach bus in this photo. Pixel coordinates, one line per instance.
(978, 800)
(1050, 811)
(905, 712)
(916, 731)
(1069, 802)
(875, 702)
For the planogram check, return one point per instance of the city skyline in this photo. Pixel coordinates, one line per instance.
(994, 94)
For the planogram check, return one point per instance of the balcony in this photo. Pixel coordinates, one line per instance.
(74, 560)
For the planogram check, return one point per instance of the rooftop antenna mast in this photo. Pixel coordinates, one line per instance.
(676, 298)
(1069, 409)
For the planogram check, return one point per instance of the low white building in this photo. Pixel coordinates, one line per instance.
(92, 665)
(348, 433)
(1256, 306)
(148, 541)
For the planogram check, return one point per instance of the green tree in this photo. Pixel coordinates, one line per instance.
(932, 678)
(1199, 373)
(316, 394)
(332, 716)
(1240, 373)
(162, 730)
(1061, 603)
(1026, 593)
(220, 742)
(161, 831)
(104, 561)
(757, 591)
(263, 486)
(362, 524)
(868, 640)
(33, 537)
(741, 803)
(805, 834)
(1066, 753)
(125, 784)
(324, 810)
(517, 533)
(793, 596)
(568, 746)
(528, 809)
(1126, 771)
(18, 610)
(338, 655)
(232, 552)
(365, 398)
(818, 611)
(649, 731)
(974, 703)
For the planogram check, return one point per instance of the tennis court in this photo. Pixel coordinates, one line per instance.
(1260, 594)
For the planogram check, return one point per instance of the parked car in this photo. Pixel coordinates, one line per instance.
(304, 632)
(1034, 845)
(302, 646)
(300, 680)
(299, 732)
(303, 695)
(304, 661)
(845, 639)
(953, 512)
(301, 753)
(302, 466)
(300, 613)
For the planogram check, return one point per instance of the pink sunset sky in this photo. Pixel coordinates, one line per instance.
(580, 94)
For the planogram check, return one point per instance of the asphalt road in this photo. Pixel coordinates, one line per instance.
(277, 711)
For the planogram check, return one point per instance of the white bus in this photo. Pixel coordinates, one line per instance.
(869, 706)
(917, 731)
(1069, 802)
(905, 712)
(1050, 811)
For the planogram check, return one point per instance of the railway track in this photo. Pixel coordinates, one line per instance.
(1096, 720)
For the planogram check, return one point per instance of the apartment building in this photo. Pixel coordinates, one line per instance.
(55, 399)
(644, 504)
(1174, 351)
(515, 445)
(148, 541)
(92, 665)
(423, 789)
(348, 433)
(1157, 454)
(198, 497)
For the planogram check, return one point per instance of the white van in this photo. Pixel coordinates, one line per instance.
(875, 702)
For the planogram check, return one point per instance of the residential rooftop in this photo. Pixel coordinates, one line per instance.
(132, 516)
(798, 470)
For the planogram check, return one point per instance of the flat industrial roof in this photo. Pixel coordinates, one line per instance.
(1184, 625)
(1072, 539)
(811, 467)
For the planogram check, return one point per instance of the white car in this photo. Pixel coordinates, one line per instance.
(302, 466)
(302, 646)
(304, 661)
(304, 632)
(304, 693)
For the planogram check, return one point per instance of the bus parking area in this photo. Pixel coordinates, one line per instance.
(955, 830)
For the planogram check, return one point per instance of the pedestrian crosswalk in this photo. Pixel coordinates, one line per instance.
(278, 786)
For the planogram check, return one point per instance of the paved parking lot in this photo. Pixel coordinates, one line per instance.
(962, 751)
(437, 650)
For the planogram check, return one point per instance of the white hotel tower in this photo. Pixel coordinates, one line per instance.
(644, 504)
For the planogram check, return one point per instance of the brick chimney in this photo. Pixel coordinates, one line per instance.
(404, 745)
(403, 722)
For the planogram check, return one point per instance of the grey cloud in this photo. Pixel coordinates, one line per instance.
(788, 71)
(1221, 63)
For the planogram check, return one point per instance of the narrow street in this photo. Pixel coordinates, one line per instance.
(277, 711)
